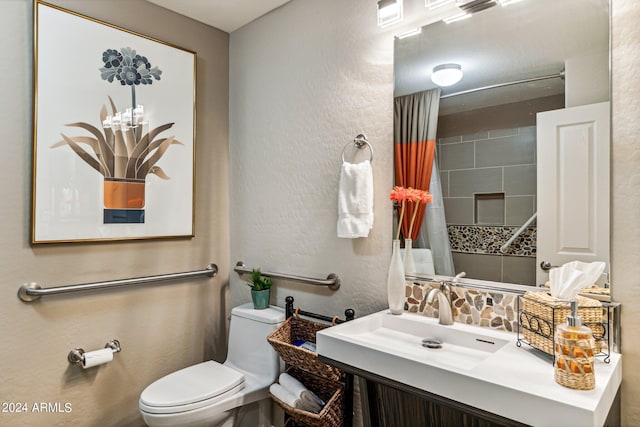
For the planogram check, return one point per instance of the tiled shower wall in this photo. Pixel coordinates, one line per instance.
(489, 189)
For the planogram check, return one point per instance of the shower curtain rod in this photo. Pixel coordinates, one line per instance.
(515, 82)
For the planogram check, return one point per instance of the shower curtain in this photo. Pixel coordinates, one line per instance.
(414, 127)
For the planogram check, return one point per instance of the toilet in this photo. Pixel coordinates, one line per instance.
(233, 393)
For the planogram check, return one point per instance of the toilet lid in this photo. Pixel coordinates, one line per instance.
(197, 383)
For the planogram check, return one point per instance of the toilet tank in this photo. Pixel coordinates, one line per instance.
(249, 349)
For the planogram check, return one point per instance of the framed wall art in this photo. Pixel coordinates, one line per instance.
(114, 132)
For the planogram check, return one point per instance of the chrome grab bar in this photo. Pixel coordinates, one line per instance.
(518, 232)
(332, 280)
(32, 291)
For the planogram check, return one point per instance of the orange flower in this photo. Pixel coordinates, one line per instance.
(411, 194)
(420, 197)
(402, 195)
(398, 194)
(425, 197)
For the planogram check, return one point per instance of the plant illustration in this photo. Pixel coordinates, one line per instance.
(129, 68)
(116, 152)
(121, 149)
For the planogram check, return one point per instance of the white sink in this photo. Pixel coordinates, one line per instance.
(480, 367)
(461, 347)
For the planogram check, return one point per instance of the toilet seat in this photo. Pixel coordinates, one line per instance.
(191, 388)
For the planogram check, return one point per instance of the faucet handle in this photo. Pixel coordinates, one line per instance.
(444, 286)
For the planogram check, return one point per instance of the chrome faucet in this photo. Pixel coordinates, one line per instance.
(445, 310)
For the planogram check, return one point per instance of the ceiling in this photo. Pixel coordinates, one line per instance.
(226, 15)
(502, 44)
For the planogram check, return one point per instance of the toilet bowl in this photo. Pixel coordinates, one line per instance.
(230, 394)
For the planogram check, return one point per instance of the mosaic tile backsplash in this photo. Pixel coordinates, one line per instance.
(474, 239)
(481, 308)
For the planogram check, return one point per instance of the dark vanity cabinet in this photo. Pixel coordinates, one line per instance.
(393, 407)
(387, 403)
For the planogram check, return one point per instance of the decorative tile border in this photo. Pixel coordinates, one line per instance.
(470, 306)
(480, 239)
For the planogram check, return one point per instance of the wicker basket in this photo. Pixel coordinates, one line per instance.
(332, 392)
(294, 329)
(542, 313)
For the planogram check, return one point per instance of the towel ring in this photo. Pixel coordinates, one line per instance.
(359, 141)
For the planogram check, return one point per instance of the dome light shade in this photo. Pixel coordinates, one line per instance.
(446, 74)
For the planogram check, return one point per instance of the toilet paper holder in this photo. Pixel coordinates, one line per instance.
(76, 356)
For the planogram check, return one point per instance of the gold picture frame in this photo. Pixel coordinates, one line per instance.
(113, 132)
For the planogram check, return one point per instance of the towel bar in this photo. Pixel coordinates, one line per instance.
(359, 141)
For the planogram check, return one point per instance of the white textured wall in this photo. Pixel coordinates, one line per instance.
(309, 76)
(304, 81)
(161, 329)
(625, 230)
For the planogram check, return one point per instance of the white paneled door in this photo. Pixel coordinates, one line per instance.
(573, 150)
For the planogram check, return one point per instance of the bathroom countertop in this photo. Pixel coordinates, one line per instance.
(515, 382)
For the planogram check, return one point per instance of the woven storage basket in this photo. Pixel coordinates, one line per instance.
(542, 313)
(294, 329)
(332, 392)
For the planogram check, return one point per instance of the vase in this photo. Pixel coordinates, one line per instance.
(124, 201)
(261, 298)
(409, 263)
(395, 281)
(123, 194)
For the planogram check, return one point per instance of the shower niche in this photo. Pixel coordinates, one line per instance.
(488, 209)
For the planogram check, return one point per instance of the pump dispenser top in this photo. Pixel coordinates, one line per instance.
(574, 319)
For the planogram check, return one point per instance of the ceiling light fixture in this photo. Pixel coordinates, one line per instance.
(409, 33)
(434, 4)
(473, 6)
(446, 74)
(389, 12)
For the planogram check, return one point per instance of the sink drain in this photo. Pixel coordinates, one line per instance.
(432, 343)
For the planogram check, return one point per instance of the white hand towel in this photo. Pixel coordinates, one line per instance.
(283, 395)
(355, 200)
(295, 387)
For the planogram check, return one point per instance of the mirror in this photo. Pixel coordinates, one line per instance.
(486, 139)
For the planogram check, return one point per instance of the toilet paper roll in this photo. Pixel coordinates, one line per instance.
(97, 357)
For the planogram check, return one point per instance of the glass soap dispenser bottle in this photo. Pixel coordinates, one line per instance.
(574, 353)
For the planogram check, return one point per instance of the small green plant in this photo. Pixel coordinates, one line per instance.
(258, 281)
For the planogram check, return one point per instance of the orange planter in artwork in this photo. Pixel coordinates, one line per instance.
(123, 194)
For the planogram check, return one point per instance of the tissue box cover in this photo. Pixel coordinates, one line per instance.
(542, 313)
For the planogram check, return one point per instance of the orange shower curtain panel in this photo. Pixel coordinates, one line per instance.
(413, 166)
